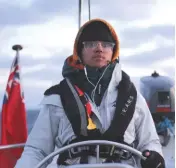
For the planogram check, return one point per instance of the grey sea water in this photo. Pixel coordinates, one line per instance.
(31, 118)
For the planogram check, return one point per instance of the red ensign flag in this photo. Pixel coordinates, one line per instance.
(13, 118)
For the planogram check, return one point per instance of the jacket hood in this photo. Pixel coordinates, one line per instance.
(74, 59)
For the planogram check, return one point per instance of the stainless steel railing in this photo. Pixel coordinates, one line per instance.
(2, 147)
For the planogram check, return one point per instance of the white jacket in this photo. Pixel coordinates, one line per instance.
(52, 128)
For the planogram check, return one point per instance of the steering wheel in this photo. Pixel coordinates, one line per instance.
(97, 143)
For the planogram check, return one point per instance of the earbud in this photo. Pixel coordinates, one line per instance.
(108, 61)
(85, 70)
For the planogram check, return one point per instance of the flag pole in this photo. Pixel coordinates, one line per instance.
(17, 48)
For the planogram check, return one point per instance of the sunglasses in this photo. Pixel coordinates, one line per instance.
(94, 44)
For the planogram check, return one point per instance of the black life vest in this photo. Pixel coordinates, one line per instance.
(79, 113)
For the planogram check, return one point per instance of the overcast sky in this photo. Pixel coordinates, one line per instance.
(47, 29)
